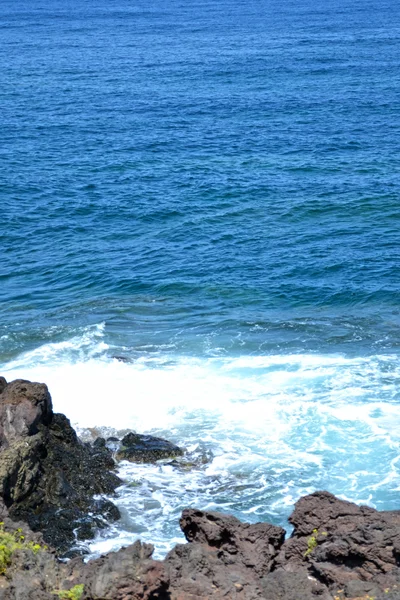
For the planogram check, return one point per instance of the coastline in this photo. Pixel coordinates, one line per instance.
(337, 549)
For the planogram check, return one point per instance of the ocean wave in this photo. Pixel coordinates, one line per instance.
(272, 427)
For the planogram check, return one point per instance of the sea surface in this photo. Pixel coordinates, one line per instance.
(200, 211)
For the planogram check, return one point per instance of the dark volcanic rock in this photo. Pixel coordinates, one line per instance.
(99, 443)
(197, 572)
(225, 559)
(284, 585)
(352, 543)
(254, 545)
(146, 448)
(3, 384)
(337, 550)
(124, 359)
(128, 573)
(48, 477)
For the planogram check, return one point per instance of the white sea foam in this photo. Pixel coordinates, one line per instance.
(260, 430)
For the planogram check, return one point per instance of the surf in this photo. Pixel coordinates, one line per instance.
(258, 431)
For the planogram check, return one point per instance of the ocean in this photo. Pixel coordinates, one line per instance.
(200, 240)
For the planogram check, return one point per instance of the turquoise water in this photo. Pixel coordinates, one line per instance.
(200, 239)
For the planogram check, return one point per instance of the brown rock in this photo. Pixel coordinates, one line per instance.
(24, 406)
(253, 545)
(130, 573)
(225, 559)
(351, 542)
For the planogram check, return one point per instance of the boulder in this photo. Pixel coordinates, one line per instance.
(255, 545)
(146, 448)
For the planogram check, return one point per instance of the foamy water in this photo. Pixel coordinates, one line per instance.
(259, 431)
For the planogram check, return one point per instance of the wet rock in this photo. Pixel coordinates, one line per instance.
(146, 448)
(124, 359)
(99, 443)
(195, 459)
(48, 477)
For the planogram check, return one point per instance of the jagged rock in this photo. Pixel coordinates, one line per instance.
(225, 559)
(253, 545)
(99, 443)
(146, 448)
(3, 383)
(48, 477)
(350, 542)
(128, 573)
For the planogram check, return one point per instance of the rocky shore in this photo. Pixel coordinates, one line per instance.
(51, 496)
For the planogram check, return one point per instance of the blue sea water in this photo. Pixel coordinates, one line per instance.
(200, 239)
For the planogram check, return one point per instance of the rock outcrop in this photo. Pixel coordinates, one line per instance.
(24, 407)
(225, 558)
(48, 477)
(345, 546)
(228, 559)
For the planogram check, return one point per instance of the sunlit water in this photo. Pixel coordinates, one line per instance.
(200, 240)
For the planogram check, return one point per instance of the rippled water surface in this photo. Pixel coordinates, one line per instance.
(200, 239)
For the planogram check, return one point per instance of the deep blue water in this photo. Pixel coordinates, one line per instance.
(210, 190)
